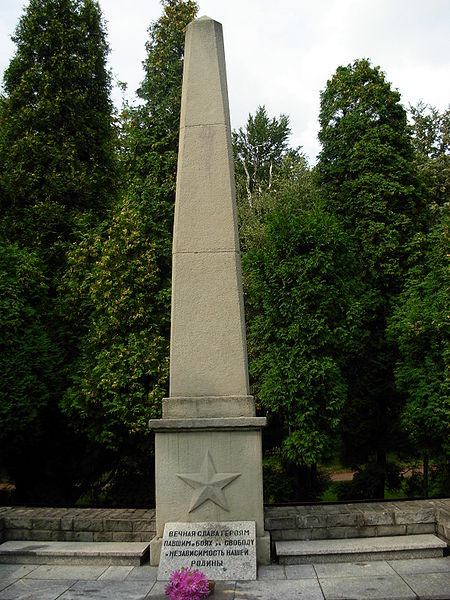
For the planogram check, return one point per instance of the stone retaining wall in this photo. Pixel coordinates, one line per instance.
(368, 519)
(77, 524)
(302, 522)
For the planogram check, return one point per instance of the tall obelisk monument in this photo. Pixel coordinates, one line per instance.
(208, 442)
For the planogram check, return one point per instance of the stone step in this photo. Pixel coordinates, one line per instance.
(75, 553)
(359, 549)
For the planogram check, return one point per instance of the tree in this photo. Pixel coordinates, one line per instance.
(120, 276)
(298, 291)
(420, 325)
(269, 174)
(259, 150)
(366, 176)
(121, 374)
(28, 362)
(431, 141)
(56, 179)
(56, 150)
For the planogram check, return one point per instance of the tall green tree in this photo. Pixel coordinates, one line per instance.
(57, 174)
(297, 304)
(420, 326)
(259, 148)
(431, 141)
(419, 323)
(299, 290)
(366, 175)
(121, 275)
(56, 153)
(269, 173)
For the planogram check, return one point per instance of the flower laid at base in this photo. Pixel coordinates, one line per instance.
(188, 585)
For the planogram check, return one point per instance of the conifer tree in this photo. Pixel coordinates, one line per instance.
(367, 178)
(123, 273)
(57, 173)
(56, 151)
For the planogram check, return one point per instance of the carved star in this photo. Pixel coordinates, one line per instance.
(208, 484)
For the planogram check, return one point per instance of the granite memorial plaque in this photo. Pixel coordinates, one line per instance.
(222, 551)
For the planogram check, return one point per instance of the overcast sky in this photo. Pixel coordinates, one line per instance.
(282, 53)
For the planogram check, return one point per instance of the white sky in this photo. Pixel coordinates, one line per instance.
(282, 53)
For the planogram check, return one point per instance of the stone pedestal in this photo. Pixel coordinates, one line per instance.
(208, 442)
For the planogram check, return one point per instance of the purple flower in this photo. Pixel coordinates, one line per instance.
(187, 585)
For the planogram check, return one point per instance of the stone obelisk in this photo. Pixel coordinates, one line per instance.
(208, 442)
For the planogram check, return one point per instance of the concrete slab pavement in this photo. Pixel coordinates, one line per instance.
(413, 579)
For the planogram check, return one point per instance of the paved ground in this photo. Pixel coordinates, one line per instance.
(389, 580)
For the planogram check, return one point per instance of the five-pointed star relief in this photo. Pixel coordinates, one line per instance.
(208, 484)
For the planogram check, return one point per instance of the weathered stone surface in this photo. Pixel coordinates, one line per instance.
(208, 443)
(209, 406)
(305, 521)
(380, 587)
(342, 520)
(223, 551)
(73, 553)
(269, 590)
(383, 530)
(424, 515)
(121, 525)
(433, 586)
(208, 346)
(378, 518)
(345, 550)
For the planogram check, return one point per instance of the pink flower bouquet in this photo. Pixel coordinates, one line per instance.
(187, 585)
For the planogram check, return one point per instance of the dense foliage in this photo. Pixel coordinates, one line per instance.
(119, 276)
(56, 142)
(345, 271)
(367, 179)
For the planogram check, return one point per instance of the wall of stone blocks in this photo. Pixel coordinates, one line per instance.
(78, 525)
(370, 519)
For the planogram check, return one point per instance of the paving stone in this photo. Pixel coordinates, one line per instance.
(144, 573)
(15, 571)
(421, 565)
(224, 590)
(306, 589)
(4, 583)
(157, 591)
(299, 571)
(73, 572)
(280, 523)
(432, 586)
(116, 573)
(28, 589)
(353, 569)
(108, 590)
(271, 572)
(370, 588)
(18, 523)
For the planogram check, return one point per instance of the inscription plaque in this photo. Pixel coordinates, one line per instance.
(222, 551)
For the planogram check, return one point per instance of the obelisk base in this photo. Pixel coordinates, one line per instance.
(209, 470)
